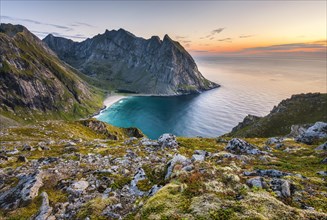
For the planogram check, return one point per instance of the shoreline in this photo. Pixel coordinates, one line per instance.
(109, 101)
(116, 97)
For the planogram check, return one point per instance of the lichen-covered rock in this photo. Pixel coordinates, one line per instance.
(23, 193)
(45, 209)
(167, 140)
(314, 133)
(269, 173)
(281, 187)
(176, 159)
(240, 146)
(78, 187)
(255, 182)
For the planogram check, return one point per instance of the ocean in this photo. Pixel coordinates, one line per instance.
(248, 86)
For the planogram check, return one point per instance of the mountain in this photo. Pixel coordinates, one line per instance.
(299, 109)
(35, 84)
(130, 63)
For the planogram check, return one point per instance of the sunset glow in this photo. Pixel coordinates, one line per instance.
(249, 27)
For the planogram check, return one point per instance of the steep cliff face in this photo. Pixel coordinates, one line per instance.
(134, 64)
(34, 83)
(299, 109)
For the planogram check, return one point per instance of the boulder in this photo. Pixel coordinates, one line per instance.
(281, 187)
(314, 133)
(22, 159)
(176, 159)
(23, 193)
(197, 157)
(322, 173)
(149, 143)
(167, 140)
(239, 146)
(269, 173)
(77, 188)
(273, 140)
(324, 161)
(45, 209)
(255, 182)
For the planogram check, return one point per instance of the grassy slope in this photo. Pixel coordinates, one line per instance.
(300, 109)
(38, 59)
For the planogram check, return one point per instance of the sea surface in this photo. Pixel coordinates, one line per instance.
(248, 86)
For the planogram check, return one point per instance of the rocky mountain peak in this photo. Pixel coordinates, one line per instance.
(131, 63)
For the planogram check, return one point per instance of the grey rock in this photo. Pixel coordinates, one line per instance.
(167, 140)
(324, 161)
(255, 182)
(176, 159)
(78, 187)
(269, 173)
(240, 146)
(154, 190)
(45, 209)
(274, 140)
(23, 193)
(22, 159)
(197, 157)
(322, 146)
(281, 187)
(13, 152)
(314, 133)
(140, 175)
(149, 143)
(27, 147)
(322, 173)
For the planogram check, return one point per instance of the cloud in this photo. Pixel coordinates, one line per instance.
(213, 33)
(246, 36)
(217, 31)
(288, 47)
(180, 37)
(228, 39)
(36, 22)
(43, 34)
(79, 24)
(186, 41)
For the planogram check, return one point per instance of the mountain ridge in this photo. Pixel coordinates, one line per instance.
(34, 83)
(130, 63)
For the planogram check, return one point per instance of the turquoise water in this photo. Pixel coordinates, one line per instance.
(248, 86)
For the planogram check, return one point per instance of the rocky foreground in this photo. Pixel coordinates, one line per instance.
(90, 170)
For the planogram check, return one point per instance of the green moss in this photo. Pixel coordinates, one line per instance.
(94, 208)
(144, 185)
(120, 181)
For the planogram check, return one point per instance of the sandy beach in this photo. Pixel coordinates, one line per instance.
(109, 101)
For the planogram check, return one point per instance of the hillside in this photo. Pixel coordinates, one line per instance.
(129, 63)
(299, 109)
(89, 170)
(35, 84)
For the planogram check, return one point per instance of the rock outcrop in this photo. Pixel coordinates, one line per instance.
(133, 64)
(298, 110)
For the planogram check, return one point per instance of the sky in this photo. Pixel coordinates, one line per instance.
(295, 28)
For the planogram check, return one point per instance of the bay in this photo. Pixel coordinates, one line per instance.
(248, 86)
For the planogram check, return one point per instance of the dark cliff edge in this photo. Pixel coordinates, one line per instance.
(129, 63)
(299, 109)
(35, 84)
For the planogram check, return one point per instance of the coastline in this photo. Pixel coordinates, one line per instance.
(109, 101)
